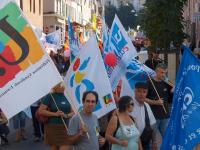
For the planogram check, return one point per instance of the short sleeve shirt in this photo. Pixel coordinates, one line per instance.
(93, 127)
(163, 90)
(62, 104)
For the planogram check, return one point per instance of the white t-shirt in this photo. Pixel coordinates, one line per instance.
(139, 115)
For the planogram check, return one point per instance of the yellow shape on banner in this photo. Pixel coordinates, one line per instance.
(79, 77)
(94, 21)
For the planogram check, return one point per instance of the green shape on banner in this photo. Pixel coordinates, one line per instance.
(4, 38)
(15, 19)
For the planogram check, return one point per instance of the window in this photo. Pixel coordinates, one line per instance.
(21, 4)
(33, 6)
(30, 5)
(40, 7)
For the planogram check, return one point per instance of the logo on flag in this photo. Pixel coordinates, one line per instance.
(82, 76)
(120, 44)
(19, 47)
(108, 99)
(79, 78)
(27, 73)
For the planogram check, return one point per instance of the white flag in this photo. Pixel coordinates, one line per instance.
(27, 73)
(87, 72)
(121, 45)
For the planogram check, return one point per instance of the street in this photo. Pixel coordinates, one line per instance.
(24, 145)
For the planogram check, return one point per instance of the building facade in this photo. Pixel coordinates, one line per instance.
(57, 12)
(137, 4)
(192, 22)
(33, 10)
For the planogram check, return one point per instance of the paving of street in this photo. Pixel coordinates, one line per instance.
(24, 145)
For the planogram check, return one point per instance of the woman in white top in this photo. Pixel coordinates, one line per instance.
(121, 130)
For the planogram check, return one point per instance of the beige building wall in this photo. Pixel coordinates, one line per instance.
(49, 6)
(33, 10)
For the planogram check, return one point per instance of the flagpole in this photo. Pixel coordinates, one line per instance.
(156, 91)
(75, 109)
(78, 113)
(154, 87)
(59, 110)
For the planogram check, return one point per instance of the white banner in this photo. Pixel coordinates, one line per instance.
(27, 73)
(121, 45)
(88, 72)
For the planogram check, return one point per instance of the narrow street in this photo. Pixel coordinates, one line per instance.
(28, 144)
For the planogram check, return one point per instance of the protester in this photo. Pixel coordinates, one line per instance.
(153, 60)
(165, 93)
(121, 131)
(37, 126)
(91, 141)
(4, 130)
(55, 131)
(19, 123)
(144, 117)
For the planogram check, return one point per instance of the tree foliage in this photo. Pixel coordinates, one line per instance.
(162, 22)
(110, 12)
(126, 14)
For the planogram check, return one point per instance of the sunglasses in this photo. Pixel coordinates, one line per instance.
(132, 104)
(90, 101)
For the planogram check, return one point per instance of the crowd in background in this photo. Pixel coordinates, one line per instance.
(139, 122)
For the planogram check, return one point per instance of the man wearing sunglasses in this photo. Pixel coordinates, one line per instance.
(94, 140)
(143, 115)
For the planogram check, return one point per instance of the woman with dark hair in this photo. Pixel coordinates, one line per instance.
(121, 130)
(55, 133)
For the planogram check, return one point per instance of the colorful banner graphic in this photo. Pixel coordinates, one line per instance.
(121, 45)
(87, 72)
(23, 64)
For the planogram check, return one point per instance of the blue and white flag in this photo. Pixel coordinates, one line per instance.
(53, 40)
(105, 36)
(138, 72)
(183, 131)
(87, 72)
(135, 72)
(74, 43)
(121, 45)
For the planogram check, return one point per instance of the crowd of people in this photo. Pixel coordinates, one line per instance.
(138, 123)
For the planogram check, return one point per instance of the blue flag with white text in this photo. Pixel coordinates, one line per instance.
(121, 45)
(183, 131)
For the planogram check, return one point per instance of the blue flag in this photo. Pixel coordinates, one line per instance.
(121, 46)
(73, 41)
(105, 36)
(183, 131)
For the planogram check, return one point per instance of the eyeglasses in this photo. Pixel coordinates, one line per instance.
(90, 101)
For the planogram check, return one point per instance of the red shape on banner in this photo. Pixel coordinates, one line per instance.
(76, 64)
(9, 71)
(111, 59)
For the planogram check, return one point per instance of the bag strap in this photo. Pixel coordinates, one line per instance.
(147, 120)
(118, 124)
